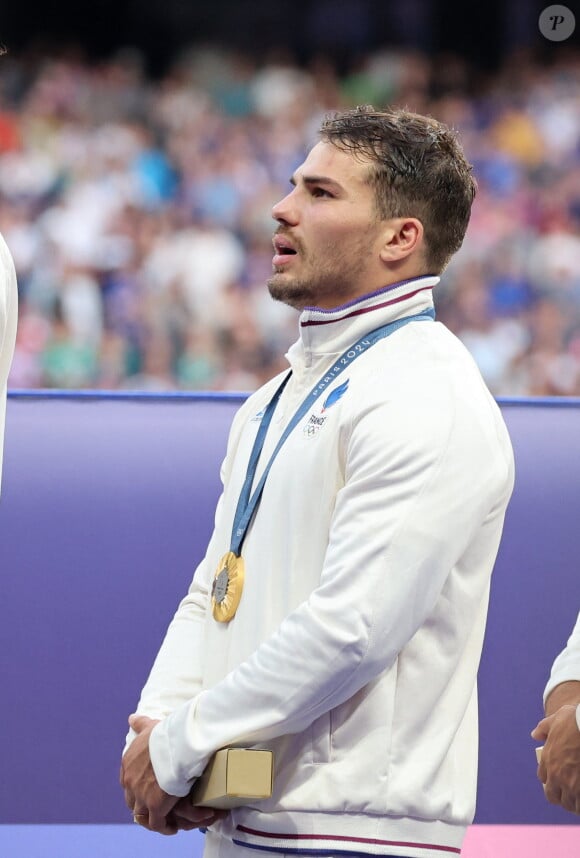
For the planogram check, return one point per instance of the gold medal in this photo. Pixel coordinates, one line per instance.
(226, 590)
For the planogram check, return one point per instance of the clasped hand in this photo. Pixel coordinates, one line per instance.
(151, 806)
(559, 768)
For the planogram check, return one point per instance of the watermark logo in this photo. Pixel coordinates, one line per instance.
(557, 23)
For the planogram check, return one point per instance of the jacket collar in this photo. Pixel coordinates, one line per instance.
(330, 332)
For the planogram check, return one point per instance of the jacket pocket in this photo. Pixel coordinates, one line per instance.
(362, 727)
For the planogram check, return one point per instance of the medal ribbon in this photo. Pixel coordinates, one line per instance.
(246, 504)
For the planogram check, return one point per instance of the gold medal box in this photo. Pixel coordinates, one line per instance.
(235, 777)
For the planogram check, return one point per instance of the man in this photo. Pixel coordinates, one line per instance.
(365, 550)
(559, 767)
(8, 320)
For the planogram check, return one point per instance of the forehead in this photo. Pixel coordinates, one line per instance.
(326, 160)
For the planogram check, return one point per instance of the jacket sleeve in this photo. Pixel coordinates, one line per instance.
(566, 666)
(412, 499)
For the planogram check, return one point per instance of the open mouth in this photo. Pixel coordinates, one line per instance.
(283, 250)
(283, 246)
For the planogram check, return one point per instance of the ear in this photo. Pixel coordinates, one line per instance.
(402, 237)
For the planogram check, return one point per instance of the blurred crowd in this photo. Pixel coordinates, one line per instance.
(138, 211)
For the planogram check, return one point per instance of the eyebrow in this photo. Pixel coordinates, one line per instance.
(318, 180)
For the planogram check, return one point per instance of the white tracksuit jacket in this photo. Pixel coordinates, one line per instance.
(354, 651)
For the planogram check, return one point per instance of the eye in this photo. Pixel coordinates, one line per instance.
(321, 192)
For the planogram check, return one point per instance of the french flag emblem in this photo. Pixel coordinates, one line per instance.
(335, 395)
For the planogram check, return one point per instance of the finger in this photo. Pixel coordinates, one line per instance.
(161, 824)
(129, 794)
(140, 722)
(539, 734)
(186, 822)
(199, 815)
(130, 799)
(183, 824)
(542, 728)
(207, 818)
(553, 793)
(123, 775)
(542, 772)
(141, 817)
(568, 802)
(216, 814)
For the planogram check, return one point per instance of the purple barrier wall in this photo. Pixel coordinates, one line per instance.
(106, 507)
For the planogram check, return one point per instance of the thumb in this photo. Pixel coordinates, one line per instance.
(139, 723)
(542, 729)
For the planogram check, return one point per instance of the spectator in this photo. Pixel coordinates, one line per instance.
(136, 209)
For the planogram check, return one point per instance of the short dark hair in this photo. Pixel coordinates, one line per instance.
(418, 169)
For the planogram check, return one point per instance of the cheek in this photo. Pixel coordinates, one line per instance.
(334, 235)
(344, 242)
(339, 235)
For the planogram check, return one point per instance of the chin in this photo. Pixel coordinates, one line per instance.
(290, 293)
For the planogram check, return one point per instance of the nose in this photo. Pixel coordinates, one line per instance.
(285, 211)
